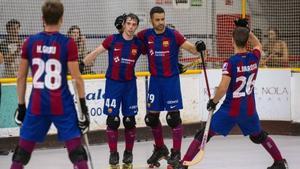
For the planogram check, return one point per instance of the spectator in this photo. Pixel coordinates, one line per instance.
(75, 32)
(276, 51)
(2, 152)
(10, 48)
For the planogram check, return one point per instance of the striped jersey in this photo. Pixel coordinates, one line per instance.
(242, 68)
(48, 54)
(122, 56)
(162, 51)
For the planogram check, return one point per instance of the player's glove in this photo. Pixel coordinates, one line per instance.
(181, 68)
(211, 106)
(20, 114)
(84, 121)
(81, 67)
(241, 22)
(119, 21)
(200, 46)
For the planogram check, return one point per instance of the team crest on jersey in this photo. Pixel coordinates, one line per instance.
(133, 51)
(165, 43)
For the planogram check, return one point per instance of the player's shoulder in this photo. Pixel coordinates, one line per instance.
(144, 31)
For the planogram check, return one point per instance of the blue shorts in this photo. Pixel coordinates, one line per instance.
(222, 122)
(35, 127)
(117, 93)
(164, 94)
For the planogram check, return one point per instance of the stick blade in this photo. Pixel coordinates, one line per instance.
(198, 158)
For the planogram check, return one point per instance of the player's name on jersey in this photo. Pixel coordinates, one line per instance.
(46, 49)
(247, 68)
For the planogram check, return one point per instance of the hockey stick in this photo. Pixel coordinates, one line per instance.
(80, 115)
(200, 154)
(194, 63)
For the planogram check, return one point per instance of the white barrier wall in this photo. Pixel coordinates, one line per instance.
(295, 103)
(277, 98)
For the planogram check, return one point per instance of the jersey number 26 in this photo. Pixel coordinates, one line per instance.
(249, 83)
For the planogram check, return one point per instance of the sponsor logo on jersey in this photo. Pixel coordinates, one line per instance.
(150, 42)
(161, 53)
(116, 59)
(127, 61)
(165, 43)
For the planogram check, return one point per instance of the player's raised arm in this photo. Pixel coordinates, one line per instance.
(254, 41)
(90, 58)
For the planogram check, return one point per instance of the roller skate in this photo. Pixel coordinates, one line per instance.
(158, 154)
(282, 164)
(127, 160)
(174, 160)
(114, 160)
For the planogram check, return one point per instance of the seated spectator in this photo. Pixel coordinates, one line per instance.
(75, 32)
(2, 151)
(276, 51)
(10, 48)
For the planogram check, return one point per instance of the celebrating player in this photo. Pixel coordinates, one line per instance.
(123, 49)
(163, 45)
(50, 55)
(238, 78)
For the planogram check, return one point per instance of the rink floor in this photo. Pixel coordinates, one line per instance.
(232, 152)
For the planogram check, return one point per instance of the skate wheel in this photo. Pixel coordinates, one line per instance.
(157, 164)
(151, 166)
(170, 167)
(127, 166)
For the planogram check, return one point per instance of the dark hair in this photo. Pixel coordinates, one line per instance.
(73, 27)
(240, 36)
(12, 23)
(132, 16)
(156, 9)
(52, 11)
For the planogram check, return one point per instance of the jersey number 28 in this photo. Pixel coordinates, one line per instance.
(52, 70)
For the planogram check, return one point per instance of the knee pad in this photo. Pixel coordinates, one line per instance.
(129, 122)
(21, 155)
(173, 119)
(152, 119)
(113, 122)
(78, 154)
(260, 138)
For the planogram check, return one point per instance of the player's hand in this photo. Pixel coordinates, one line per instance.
(81, 66)
(241, 22)
(200, 46)
(181, 68)
(119, 21)
(211, 106)
(20, 114)
(84, 121)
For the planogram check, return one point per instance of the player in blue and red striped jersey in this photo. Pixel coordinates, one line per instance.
(50, 55)
(163, 45)
(123, 49)
(238, 78)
